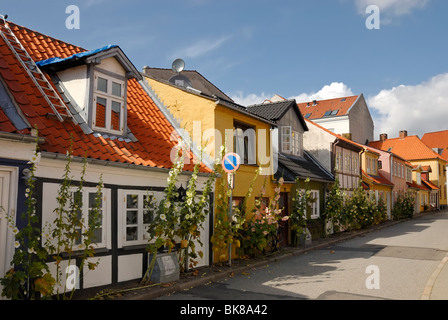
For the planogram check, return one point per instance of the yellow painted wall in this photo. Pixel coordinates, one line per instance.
(436, 176)
(189, 108)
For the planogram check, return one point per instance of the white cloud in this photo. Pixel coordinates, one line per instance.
(391, 7)
(334, 90)
(250, 99)
(201, 47)
(418, 109)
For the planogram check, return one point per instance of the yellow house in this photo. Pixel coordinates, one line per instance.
(210, 116)
(217, 121)
(422, 199)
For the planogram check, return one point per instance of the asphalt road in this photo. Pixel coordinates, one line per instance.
(392, 263)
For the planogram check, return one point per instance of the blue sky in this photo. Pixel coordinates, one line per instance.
(253, 49)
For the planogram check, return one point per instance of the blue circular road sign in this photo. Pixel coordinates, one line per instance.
(231, 162)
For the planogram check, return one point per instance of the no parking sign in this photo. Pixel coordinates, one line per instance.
(230, 163)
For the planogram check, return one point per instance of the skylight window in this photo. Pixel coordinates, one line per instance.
(334, 112)
(307, 115)
(328, 113)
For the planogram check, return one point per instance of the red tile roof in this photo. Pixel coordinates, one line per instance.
(430, 185)
(414, 185)
(409, 148)
(342, 105)
(437, 139)
(145, 120)
(379, 179)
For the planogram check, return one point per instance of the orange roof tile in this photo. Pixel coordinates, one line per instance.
(437, 139)
(153, 146)
(379, 179)
(430, 185)
(341, 105)
(409, 148)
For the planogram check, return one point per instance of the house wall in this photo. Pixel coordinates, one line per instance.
(290, 118)
(361, 123)
(14, 158)
(118, 261)
(77, 84)
(337, 124)
(318, 142)
(196, 114)
(224, 119)
(436, 176)
(348, 168)
(398, 178)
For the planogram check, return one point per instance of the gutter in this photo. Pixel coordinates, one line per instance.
(106, 163)
(21, 137)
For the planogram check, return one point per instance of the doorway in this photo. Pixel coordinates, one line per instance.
(8, 196)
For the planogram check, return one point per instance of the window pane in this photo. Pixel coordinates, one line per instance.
(102, 85)
(132, 201)
(116, 89)
(97, 236)
(115, 116)
(92, 200)
(131, 233)
(100, 119)
(147, 216)
(131, 217)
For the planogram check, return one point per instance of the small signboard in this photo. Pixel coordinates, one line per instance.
(231, 162)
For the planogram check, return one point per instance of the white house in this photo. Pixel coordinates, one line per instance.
(96, 101)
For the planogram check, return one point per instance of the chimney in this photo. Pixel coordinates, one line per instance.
(383, 137)
(314, 102)
(403, 134)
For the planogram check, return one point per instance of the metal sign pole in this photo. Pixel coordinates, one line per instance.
(230, 164)
(230, 219)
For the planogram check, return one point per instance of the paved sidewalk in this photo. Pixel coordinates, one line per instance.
(436, 288)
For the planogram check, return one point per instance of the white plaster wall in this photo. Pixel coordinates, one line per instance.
(318, 143)
(102, 275)
(337, 125)
(130, 267)
(76, 82)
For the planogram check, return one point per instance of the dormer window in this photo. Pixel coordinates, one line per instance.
(108, 104)
(95, 83)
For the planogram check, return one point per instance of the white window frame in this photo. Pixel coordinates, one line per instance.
(109, 97)
(296, 147)
(142, 235)
(85, 214)
(286, 139)
(315, 206)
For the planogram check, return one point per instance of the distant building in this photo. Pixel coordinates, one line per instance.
(347, 116)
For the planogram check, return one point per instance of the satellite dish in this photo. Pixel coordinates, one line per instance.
(178, 65)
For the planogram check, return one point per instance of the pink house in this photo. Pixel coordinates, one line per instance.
(395, 169)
